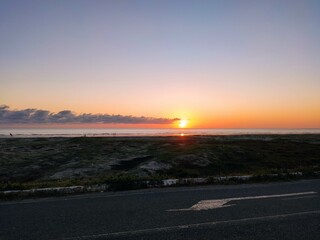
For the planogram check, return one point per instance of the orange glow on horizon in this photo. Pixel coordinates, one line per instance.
(244, 117)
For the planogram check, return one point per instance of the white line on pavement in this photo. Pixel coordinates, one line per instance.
(220, 203)
(188, 226)
(295, 198)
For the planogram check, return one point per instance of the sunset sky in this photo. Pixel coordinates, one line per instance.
(217, 64)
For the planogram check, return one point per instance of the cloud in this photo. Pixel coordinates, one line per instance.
(32, 115)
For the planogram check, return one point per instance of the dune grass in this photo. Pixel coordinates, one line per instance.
(27, 163)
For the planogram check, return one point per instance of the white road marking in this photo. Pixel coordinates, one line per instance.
(295, 198)
(188, 226)
(220, 203)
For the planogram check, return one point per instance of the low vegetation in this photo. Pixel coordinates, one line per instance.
(27, 163)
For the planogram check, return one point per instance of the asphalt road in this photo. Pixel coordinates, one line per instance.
(261, 211)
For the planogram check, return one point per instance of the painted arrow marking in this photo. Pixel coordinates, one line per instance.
(221, 203)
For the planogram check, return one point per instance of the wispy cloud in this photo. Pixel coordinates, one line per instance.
(32, 115)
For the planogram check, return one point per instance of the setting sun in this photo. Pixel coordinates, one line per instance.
(183, 123)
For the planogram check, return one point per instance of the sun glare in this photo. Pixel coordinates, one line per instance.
(183, 123)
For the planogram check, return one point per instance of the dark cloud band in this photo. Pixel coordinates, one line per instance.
(43, 116)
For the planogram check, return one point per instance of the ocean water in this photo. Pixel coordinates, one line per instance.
(114, 132)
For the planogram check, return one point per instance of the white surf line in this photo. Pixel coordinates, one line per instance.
(188, 226)
(220, 203)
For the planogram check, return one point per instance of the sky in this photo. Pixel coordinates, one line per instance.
(217, 64)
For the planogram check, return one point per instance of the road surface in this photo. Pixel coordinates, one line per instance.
(288, 210)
